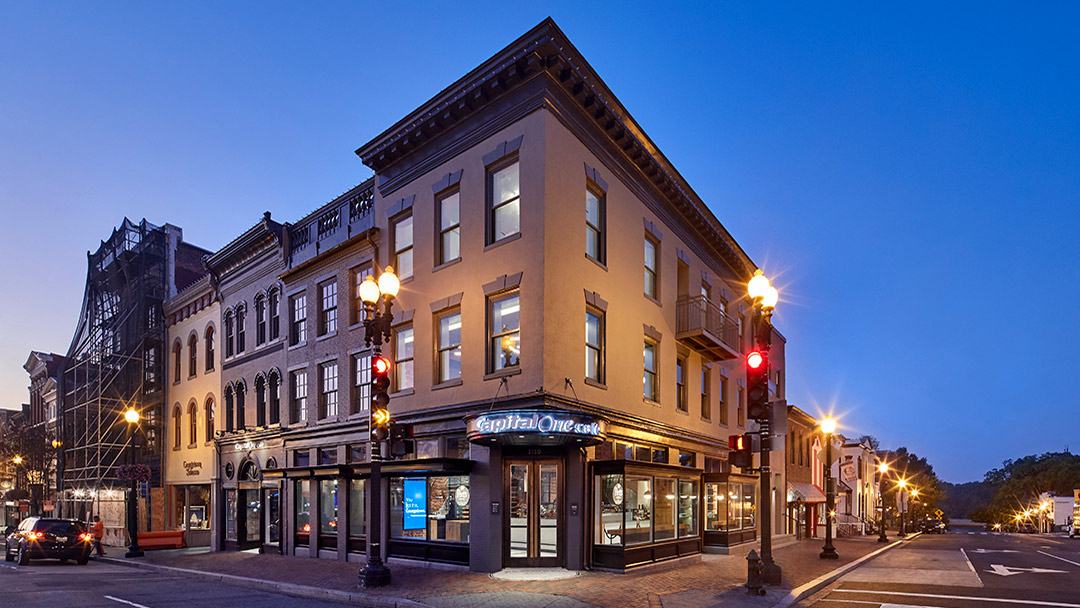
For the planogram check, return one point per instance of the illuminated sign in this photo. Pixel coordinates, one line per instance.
(536, 427)
(415, 504)
(249, 445)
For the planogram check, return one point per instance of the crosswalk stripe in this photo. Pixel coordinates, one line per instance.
(969, 598)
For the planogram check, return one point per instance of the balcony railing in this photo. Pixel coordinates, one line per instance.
(705, 327)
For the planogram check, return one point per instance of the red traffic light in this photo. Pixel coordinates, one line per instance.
(736, 443)
(380, 365)
(755, 359)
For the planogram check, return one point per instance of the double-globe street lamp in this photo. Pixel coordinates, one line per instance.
(765, 296)
(377, 331)
(883, 468)
(131, 416)
(828, 427)
(901, 504)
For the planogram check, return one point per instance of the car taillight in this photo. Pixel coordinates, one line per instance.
(84, 536)
(37, 535)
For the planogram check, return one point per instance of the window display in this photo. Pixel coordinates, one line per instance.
(357, 513)
(609, 501)
(431, 508)
(302, 513)
(688, 498)
(638, 509)
(665, 509)
(328, 506)
(230, 514)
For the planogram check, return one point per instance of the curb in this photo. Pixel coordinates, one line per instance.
(822, 581)
(356, 599)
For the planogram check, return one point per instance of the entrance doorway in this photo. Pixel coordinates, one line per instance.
(251, 516)
(272, 500)
(534, 501)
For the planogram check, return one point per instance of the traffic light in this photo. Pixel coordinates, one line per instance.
(741, 454)
(757, 385)
(380, 399)
(401, 441)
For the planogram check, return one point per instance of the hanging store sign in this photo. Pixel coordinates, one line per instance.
(536, 427)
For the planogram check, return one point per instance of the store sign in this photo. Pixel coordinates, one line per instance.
(192, 467)
(415, 504)
(245, 446)
(536, 427)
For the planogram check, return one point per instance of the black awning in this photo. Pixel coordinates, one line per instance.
(422, 466)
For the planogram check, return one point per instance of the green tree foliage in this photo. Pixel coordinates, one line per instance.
(1018, 483)
(919, 475)
(961, 499)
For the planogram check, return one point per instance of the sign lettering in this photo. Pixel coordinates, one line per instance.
(192, 467)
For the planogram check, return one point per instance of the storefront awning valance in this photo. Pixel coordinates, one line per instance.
(806, 492)
(422, 466)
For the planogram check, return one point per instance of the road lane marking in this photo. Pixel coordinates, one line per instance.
(116, 599)
(1011, 570)
(973, 598)
(993, 551)
(1061, 558)
(966, 559)
(798, 591)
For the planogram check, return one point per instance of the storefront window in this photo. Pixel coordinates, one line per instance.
(303, 511)
(665, 509)
(435, 508)
(328, 506)
(609, 503)
(198, 517)
(748, 510)
(457, 447)
(688, 513)
(715, 506)
(638, 499)
(357, 512)
(734, 502)
(179, 506)
(230, 514)
(427, 448)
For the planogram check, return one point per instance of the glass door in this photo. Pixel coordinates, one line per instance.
(251, 514)
(272, 499)
(533, 514)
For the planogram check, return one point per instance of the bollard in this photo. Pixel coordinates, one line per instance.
(754, 570)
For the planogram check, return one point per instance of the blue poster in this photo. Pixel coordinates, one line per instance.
(415, 504)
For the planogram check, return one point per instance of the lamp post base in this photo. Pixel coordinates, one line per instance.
(134, 551)
(375, 574)
(829, 552)
(882, 538)
(772, 574)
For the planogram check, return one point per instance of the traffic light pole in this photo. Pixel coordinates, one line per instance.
(772, 574)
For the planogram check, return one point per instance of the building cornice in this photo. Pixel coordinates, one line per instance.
(264, 235)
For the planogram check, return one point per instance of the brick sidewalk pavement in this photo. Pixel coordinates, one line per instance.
(716, 579)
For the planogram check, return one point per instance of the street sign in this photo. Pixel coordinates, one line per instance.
(939, 513)
(1010, 570)
(822, 455)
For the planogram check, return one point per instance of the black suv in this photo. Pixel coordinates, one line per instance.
(47, 537)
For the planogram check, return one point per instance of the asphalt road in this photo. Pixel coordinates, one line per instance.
(964, 569)
(50, 584)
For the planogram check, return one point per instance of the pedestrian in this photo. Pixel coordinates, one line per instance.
(98, 533)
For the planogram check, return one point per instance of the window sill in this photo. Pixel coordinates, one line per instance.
(176, 448)
(503, 241)
(653, 300)
(326, 336)
(683, 412)
(298, 345)
(452, 262)
(405, 392)
(209, 370)
(447, 384)
(602, 265)
(503, 373)
(192, 376)
(707, 420)
(407, 280)
(176, 382)
(650, 401)
(594, 383)
(192, 446)
(357, 325)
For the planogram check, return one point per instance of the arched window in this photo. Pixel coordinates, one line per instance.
(275, 300)
(209, 419)
(228, 333)
(193, 349)
(240, 314)
(177, 428)
(241, 392)
(228, 407)
(260, 319)
(209, 340)
(274, 380)
(260, 400)
(176, 360)
(193, 423)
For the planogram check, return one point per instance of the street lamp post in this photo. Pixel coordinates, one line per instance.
(900, 505)
(765, 297)
(828, 426)
(377, 331)
(132, 418)
(883, 468)
(914, 509)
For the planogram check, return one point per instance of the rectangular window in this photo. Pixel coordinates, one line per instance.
(241, 313)
(740, 414)
(505, 332)
(680, 386)
(328, 307)
(230, 514)
(328, 456)
(449, 222)
(403, 358)
(328, 506)
(594, 345)
(449, 354)
(638, 509)
(594, 225)
(650, 384)
(434, 509)
(274, 382)
(609, 509)
(357, 278)
(260, 320)
(504, 202)
(361, 365)
(403, 247)
(302, 512)
(723, 401)
(298, 332)
(664, 515)
(706, 396)
(651, 269)
(328, 393)
(357, 512)
(275, 315)
(298, 402)
(688, 513)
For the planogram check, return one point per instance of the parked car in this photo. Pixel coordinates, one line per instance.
(933, 526)
(48, 537)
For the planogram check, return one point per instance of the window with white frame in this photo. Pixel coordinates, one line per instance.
(403, 247)
(448, 356)
(449, 222)
(594, 345)
(504, 201)
(328, 307)
(403, 358)
(298, 333)
(328, 389)
(594, 224)
(505, 331)
(652, 272)
(298, 400)
(651, 376)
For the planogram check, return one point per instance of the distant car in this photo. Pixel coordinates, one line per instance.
(933, 526)
(48, 538)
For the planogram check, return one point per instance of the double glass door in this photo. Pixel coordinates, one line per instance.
(534, 513)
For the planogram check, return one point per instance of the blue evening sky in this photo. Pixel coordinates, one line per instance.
(908, 174)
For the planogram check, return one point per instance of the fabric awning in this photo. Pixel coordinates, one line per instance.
(806, 492)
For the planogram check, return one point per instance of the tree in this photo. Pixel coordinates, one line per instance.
(1019, 483)
(919, 475)
(35, 449)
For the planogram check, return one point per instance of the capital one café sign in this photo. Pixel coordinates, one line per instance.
(536, 427)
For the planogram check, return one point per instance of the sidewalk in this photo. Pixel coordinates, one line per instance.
(716, 580)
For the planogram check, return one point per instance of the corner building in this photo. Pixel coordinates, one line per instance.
(567, 344)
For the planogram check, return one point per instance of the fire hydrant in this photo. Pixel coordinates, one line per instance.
(754, 571)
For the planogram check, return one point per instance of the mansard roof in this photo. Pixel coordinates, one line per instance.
(545, 53)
